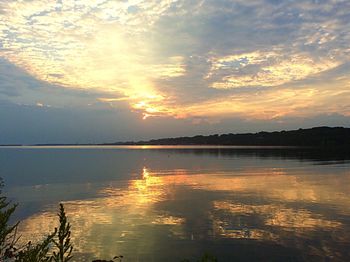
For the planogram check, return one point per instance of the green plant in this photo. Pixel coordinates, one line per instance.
(38, 252)
(205, 258)
(59, 240)
(120, 258)
(8, 232)
(62, 241)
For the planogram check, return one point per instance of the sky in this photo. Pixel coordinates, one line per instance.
(94, 71)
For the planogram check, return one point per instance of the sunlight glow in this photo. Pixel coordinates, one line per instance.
(130, 55)
(129, 208)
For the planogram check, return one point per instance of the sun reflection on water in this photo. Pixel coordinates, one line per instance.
(262, 204)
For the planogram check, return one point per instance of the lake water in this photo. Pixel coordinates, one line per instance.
(176, 203)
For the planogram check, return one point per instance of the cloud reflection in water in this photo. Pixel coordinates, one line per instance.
(288, 206)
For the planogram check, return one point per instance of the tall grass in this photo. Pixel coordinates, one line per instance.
(55, 247)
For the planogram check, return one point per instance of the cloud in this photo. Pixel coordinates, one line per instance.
(30, 124)
(258, 59)
(19, 87)
(264, 69)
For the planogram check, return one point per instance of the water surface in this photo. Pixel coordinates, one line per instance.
(174, 203)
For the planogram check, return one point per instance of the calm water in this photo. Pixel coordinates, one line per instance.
(169, 204)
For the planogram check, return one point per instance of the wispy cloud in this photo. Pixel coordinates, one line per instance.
(264, 69)
(255, 59)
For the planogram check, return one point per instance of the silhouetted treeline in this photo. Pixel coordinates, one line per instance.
(317, 136)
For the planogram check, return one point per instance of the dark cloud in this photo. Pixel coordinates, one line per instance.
(32, 124)
(289, 58)
(19, 86)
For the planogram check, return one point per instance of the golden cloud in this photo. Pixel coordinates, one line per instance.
(115, 49)
(274, 69)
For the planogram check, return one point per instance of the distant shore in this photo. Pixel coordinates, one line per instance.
(320, 137)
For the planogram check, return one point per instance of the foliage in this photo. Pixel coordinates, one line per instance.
(205, 258)
(208, 258)
(38, 252)
(8, 232)
(55, 247)
(120, 258)
(62, 242)
(324, 137)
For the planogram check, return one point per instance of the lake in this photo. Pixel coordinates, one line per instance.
(174, 203)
